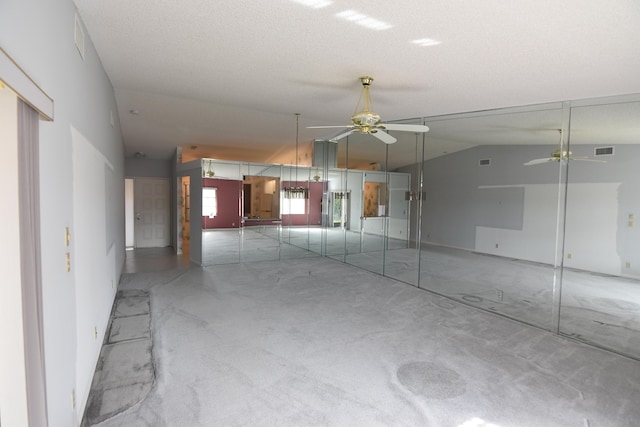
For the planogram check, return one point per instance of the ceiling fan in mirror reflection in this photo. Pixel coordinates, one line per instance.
(367, 122)
(559, 155)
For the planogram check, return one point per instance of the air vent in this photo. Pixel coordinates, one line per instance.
(604, 151)
(484, 162)
(78, 36)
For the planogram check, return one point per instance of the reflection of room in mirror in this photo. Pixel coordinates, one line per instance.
(261, 198)
(490, 234)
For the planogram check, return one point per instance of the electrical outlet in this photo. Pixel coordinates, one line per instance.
(628, 264)
(500, 294)
(497, 246)
(569, 255)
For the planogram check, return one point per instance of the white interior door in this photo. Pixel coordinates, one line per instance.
(151, 202)
(129, 214)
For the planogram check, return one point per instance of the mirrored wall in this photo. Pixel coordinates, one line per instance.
(526, 212)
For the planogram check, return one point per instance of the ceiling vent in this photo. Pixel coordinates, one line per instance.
(78, 36)
(484, 162)
(604, 151)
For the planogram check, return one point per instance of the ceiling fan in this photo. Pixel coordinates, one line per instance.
(560, 154)
(367, 121)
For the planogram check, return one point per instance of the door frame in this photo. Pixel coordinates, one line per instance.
(34, 105)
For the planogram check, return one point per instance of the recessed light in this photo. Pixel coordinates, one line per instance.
(363, 20)
(314, 4)
(134, 112)
(426, 42)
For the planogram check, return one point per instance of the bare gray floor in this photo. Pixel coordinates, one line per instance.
(318, 342)
(599, 309)
(154, 259)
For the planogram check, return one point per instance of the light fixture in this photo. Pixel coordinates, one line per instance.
(363, 20)
(297, 191)
(297, 135)
(426, 42)
(314, 4)
(209, 172)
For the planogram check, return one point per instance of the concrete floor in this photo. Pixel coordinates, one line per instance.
(318, 342)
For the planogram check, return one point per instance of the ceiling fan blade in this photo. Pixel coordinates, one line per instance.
(539, 161)
(329, 127)
(405, 128)
(384, 137)
(586, 159)
(341, 135)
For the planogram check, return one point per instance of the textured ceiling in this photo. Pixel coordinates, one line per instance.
(232, 74)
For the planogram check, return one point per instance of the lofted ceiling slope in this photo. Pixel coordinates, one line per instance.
(229, 75)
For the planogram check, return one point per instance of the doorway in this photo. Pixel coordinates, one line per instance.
(340, 202)
(147, 216)
(184, 222)
(129, 215)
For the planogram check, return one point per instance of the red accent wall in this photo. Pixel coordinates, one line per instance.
(315, 204)
(229, 203)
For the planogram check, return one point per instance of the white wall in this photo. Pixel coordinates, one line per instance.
(148, 168)
(592, 227)
(535, 241)
(94, 275)
(38, 35)
(511, 210)
(398, 215)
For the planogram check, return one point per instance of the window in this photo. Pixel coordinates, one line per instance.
(210, 202)
(294, 206)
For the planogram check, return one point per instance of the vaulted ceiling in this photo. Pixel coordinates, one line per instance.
(228, 76)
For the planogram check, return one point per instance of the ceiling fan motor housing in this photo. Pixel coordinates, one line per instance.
(366, 121)
(557, 154)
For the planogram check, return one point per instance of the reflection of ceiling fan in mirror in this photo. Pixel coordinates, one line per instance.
(368, 122)
(560, 154)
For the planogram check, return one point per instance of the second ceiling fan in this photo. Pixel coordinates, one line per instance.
(367, 121)
(560, 155)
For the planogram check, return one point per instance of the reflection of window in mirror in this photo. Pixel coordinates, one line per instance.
(210, 202)
(270, 187)
(294, 207)
(375, 199)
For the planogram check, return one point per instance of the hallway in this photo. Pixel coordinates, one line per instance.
(319, 342)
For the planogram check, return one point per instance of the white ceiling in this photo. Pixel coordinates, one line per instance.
(229, 75)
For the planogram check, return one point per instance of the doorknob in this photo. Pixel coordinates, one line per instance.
(138, 216)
